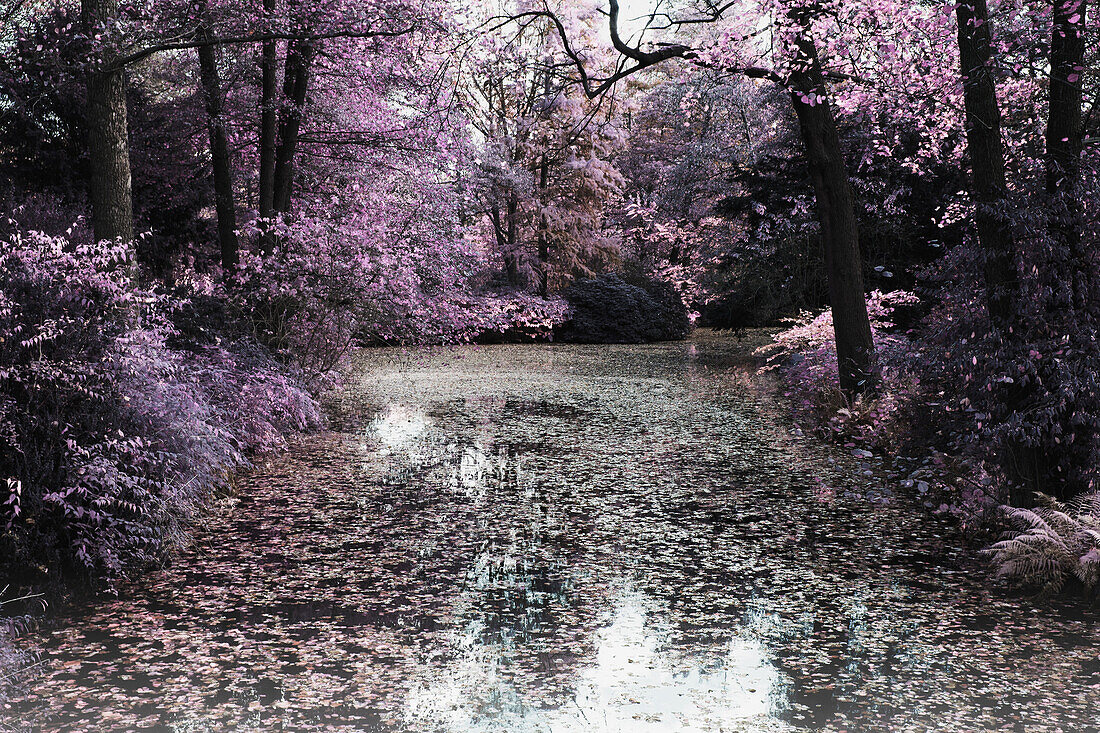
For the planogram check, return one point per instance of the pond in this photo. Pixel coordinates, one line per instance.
(551, 538)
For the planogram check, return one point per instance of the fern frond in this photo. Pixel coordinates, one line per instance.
(1025, 518)
(1055, 541)
(1086, 504)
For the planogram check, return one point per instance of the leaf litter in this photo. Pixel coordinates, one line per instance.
(565, 538)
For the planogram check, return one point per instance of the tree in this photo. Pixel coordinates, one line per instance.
(545, 172)
(987, 163)
(123, 41)
(225, 201)
(800, 72)
(835, 212)
(109, 189)
(1064, 136)
(268, 120)
(296, 78)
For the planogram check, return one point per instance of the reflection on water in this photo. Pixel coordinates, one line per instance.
(477, 471)
(560, 539)
(629, 685)
(397, 425)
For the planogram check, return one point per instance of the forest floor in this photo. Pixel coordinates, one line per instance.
(565, 538)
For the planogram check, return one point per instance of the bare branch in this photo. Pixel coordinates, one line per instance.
(596, 86)
(193, 40)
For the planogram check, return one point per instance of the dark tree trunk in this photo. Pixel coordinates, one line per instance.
(513, 223)
(268, 111)
(498, 226)
(109, 190)
(1064, 141)
(543, 236)
(509, 248)
(988, 179)
(299, 58)
(836, 214)
(219, 156)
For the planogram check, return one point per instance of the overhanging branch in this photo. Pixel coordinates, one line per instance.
(195, 40)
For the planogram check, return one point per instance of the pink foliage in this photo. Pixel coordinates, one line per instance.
(813, 335)
(111, 439)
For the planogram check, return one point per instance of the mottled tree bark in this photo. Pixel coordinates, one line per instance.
(988, 179)
(219, 156)
(109, 189)
(836, 214)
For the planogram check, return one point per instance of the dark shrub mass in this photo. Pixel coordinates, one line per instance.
(608, 310)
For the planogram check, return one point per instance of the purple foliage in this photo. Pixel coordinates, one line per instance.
(895, 419)
(1017, 412)
(1027, 402)
(110, 438)
(326, 287)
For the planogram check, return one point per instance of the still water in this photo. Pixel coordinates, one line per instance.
(564, 539)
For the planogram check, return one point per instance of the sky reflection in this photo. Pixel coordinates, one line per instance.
(398, 425)
(632, 685)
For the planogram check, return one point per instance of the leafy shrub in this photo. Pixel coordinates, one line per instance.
(325, 288)
(1026, 403)
(805, 354)
(893, 419)
(1054, 542)
(505, 316)
(608, 310)
(110, 439)
(72, 470)
(13, 664)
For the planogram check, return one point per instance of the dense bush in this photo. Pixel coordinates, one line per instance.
(1004, 417)
(609, 310)
(110, 438)
(507, 316)
(326, 288)
(1026, 402)
(899, 418)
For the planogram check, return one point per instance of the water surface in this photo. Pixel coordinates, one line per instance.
(565, 539)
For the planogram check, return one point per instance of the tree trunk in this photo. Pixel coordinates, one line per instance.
(1064, 141)
(510, 268)
(836, 214)
(988, 179)
(512, 263)
(109, 190)
(219, 155)
(268, 111)
(498, 226)
(299, 58)
(543, 235)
